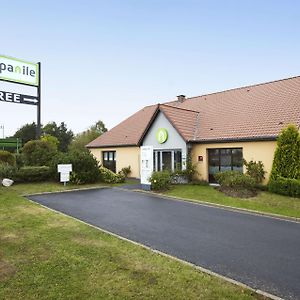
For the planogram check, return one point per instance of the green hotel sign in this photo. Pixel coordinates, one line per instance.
(19, 71)
(162, 135)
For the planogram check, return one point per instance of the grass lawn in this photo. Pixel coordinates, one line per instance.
(263, 202)
(44, 255)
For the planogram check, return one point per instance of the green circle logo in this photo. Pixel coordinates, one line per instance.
(162, 135)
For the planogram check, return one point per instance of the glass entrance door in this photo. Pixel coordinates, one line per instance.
(167, 160)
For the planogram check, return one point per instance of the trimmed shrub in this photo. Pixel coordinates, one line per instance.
(235, 179)
(7, 157)
(285, 186)
(255, 169)
(125, 171)
(33, 174)
(7, 171)
(38, 153)
(160, 180)
(108, 176)
(85, 167)
(286, 161)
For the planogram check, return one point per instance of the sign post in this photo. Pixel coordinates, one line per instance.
(22, 73)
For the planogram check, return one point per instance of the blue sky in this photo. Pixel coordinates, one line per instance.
(107, 59)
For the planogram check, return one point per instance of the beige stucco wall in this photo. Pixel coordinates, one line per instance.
(125, 156)
(263, 151)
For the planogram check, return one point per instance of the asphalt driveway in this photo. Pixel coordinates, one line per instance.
(261, 252)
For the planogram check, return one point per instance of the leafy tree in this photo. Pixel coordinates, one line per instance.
(99, 127)
(61, 132)
(87, 136)
(286, 161)
(51, 139)
(38, 153)
(26, 133)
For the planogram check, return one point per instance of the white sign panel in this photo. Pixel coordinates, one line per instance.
(16, 70)
(146, 164)
(64, 170)
(64, 177)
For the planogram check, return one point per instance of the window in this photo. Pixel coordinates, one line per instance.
(227, 159)
(109, 160)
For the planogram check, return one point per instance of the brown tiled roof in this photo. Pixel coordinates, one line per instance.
(253, 112)
(184, 120)
(128, 132)
(250, 113)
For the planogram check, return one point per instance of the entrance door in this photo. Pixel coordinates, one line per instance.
(167, 160)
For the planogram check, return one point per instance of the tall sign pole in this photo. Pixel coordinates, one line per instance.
(21, 72)
(39, 96)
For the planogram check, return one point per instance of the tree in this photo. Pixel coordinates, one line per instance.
(286, 161)
(51, 139)
(26, 133)
(83, 138)
(99, 128)
(61, 132)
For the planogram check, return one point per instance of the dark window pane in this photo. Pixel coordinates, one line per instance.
(105, 156)
(225, 160)
(111, 155)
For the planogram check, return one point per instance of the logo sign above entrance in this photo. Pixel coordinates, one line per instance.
(19, 71)
(162, 135)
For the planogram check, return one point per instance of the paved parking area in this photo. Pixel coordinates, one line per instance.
(261, 252)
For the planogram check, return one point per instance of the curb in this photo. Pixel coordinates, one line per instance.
(66, 191)
(220, 206)
(201, 269)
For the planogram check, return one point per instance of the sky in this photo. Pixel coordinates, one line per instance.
(105, 60)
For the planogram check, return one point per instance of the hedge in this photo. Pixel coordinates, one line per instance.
(235, 179)
(285, 186)
(7, 157)
(33, 174)
(7, 171)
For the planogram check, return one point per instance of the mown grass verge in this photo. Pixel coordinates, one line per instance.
(264, 202)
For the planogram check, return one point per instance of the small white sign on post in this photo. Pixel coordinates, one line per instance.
(64, 171)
